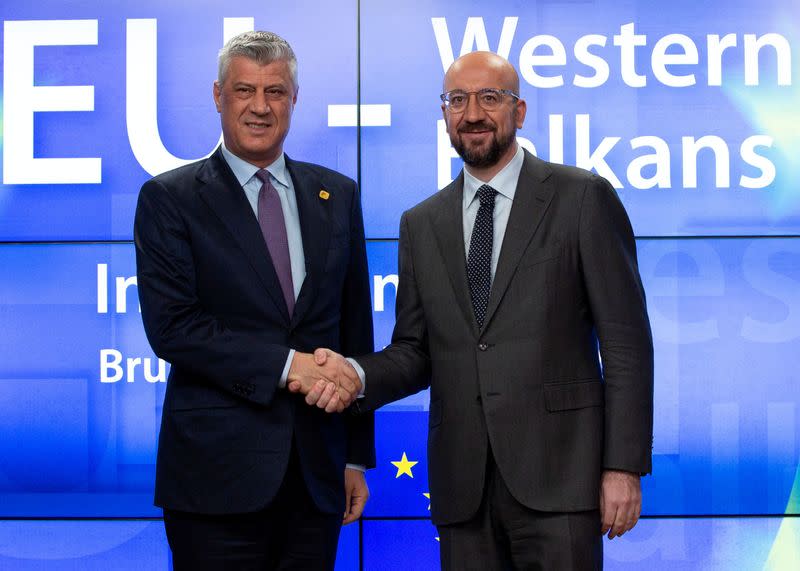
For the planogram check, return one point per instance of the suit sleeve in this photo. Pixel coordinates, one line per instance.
(178, 327)
(402, 368)
(356, 335)
(619, 310)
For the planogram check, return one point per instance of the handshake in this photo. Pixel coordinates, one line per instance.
(326, 379)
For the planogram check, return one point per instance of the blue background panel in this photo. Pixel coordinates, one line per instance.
(712, 544)
(400, 545)
(86, 545)
(395, 492)
(725, 315)
(103, 545)
(725, 312)
(185, 123)
(725, 323)
(401, 164)
(98, 459)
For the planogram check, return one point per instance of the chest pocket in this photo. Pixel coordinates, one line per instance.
(536, 256)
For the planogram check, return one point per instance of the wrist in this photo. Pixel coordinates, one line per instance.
(300, 361)
(613, 473)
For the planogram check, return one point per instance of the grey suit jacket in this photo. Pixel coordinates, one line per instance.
(530, 384)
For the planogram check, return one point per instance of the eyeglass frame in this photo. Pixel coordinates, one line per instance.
(445, 97)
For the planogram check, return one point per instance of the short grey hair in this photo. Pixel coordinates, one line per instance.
(261, 47)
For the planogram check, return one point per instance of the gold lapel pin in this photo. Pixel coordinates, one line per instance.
(324, 194)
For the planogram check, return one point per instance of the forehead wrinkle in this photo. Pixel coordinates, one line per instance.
(249, 71)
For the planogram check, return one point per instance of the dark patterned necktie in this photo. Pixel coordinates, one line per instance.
(273, 227)
(479, 261)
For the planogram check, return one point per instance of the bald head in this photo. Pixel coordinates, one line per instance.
(483, 123)
(484, 68)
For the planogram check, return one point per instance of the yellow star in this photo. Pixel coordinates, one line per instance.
(404, 466)
(427, 495)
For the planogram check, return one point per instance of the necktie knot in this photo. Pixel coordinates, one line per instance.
(486, 195)
(263, 175)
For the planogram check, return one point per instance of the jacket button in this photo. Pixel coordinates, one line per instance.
(483, 346)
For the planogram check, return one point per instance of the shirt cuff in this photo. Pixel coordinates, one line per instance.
(361, 375)
(359, 467)
(286, 367)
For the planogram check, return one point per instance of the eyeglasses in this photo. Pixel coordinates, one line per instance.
(489, 99)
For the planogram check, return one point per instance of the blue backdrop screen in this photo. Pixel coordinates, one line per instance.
(690, 115)
(99, 96)
(698, 140)
(689, 110)
(81, 392)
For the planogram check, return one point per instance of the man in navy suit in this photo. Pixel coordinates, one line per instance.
(246, 262)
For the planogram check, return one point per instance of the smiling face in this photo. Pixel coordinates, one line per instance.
(255, 103)
(484, 139)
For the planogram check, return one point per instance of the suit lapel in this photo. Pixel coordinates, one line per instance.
(449, 230)
(315, 227)
(531, 200)
(226, 199)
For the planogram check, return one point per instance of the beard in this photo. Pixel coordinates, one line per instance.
(478, 157)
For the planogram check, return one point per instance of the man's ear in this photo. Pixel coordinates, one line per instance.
(520, 112)
(217, 95)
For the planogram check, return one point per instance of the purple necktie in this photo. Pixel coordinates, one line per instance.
(273, 227)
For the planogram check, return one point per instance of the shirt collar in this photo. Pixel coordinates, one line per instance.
(244, 171)
(504, 182)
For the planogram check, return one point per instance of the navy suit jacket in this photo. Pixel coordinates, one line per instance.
(212, 307)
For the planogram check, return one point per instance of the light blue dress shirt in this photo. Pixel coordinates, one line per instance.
(505, 183)
(245, 173)
(279, 176)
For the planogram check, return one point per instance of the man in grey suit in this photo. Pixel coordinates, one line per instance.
(510, 280)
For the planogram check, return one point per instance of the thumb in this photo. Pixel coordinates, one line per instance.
(321, 356)
(294, 386)
(348, 492)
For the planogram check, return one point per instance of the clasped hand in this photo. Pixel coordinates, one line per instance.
(326, 378)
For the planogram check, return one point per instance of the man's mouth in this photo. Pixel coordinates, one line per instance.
(475, 134)
(475, 129)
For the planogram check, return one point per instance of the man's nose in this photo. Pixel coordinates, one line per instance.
(473, 111)
(259, 104)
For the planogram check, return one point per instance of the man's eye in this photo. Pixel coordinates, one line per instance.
(490, 97)
(456, 99)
